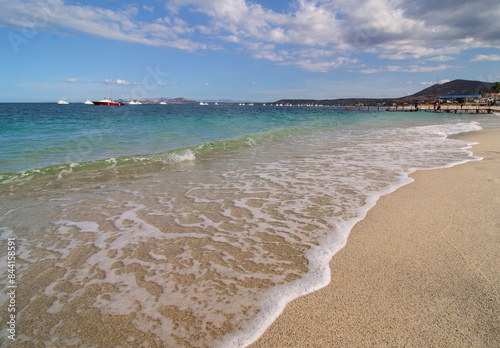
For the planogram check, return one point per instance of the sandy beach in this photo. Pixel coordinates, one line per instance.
(422, 269)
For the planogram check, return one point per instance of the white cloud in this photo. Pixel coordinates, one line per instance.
(419, 69)
(121, 82)
(71, 80)
(369, 71)
(440, 82)
(484, 58)
(121, 25)
(410, 69)
(267, 51)
(441, 58)
(312, 34)
(323, 66)
(398, 30)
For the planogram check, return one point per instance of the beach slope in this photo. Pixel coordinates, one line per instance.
(422, 269)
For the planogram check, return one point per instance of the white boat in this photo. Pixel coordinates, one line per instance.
(62, 101)
(107, 101)
(202, 103)
(88, 102)
(134, 103)
(163, 103)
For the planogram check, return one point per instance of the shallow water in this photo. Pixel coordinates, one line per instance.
(191, 225)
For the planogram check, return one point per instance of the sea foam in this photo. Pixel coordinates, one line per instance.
(209, 251)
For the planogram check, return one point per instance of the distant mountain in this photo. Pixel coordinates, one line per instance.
(432, 92)
(451, 88)
(180, 100)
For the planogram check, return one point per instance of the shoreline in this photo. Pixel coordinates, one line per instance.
(420, 270)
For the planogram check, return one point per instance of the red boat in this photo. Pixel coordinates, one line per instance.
(107, 101)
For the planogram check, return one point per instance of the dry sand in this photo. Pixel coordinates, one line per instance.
(421, 270)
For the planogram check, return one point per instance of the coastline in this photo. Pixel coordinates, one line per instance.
(420, 270)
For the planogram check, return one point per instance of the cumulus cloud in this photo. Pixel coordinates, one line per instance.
(441, 58)
(121, 82)
(430, 83)
(396, 30)
(316, 35)
(324, 65)
(484, 58)
(148, 8)
(409, 69)
(120, 24)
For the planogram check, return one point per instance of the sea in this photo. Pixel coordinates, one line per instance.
(189, 225)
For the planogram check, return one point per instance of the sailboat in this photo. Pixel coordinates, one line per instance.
(62, 101)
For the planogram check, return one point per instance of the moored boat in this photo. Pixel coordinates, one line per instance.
(107, 101)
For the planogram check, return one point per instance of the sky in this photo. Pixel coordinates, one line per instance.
(242, 50)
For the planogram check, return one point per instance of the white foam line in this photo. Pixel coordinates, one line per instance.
(319, 275)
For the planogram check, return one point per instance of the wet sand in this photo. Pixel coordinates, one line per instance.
(422, 269)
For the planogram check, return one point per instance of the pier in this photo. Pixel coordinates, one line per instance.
(449, 108)
(456, 103)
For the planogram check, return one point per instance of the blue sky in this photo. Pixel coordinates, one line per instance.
(259, 50)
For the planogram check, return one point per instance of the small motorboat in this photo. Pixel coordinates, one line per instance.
(62, 101)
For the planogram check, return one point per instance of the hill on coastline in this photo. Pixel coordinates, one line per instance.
(429, 93)
(451, 88)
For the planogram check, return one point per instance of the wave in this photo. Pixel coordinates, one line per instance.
(169, 157)
(198, 151)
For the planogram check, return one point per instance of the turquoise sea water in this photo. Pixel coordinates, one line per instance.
(192, 225)
(40, 135)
